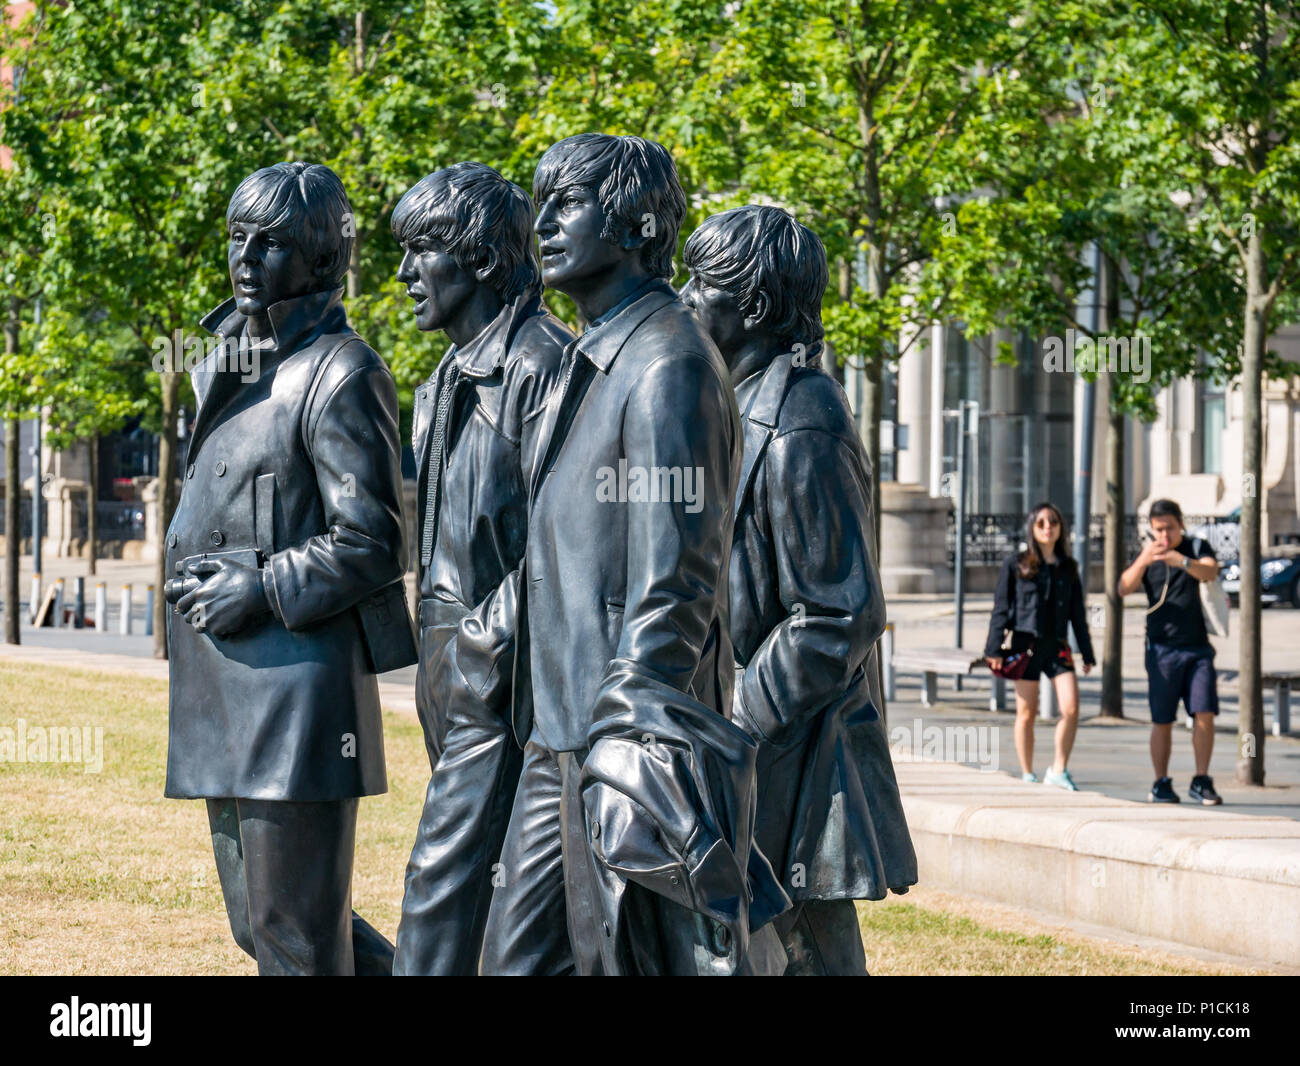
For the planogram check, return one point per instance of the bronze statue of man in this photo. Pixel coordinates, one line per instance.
(623, 661)
(806, 602)
(469, 266)
(287, 548)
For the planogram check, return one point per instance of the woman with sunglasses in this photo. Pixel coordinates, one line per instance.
(1038, 596)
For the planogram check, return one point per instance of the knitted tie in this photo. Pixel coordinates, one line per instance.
(433, 470)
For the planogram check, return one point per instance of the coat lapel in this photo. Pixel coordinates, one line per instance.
(295, 323)
(594, 350)
(760, 422)
(559, 413)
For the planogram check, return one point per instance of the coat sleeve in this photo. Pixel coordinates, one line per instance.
(819, 521)
(1079, 620)
(680, 418)
(352, 435)
(1003, 608)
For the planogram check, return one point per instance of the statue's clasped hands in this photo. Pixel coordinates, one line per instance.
(229, 596)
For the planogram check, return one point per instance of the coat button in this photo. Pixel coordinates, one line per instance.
(674, 880)
(171, 540)
(189, 472)
(217, 538)
(605, 926)
(595, 830)
(221, 468)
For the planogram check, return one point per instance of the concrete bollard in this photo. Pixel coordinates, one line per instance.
(124, 620)
(34, 604)
(998, 695)
(887, 661)
(101, 608)
(1047, 699)
(148, 610)
(59, 589)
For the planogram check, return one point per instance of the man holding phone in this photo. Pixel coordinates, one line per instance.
(1179, 656)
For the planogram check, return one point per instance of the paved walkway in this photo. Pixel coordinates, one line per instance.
(1111, 757)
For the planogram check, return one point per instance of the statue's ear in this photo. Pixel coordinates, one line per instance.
(637, 232)
(487, 264)
(761, 305)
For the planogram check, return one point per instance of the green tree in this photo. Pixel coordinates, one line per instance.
(854, 117)
(137, 127)
(1101, 182)
(1222, 77)
(19, 252)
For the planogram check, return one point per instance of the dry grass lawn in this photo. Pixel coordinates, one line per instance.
(99, 874)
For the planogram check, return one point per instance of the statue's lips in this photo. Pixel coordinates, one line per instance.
(550, 251)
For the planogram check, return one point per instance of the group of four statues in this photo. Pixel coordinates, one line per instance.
(647, 588)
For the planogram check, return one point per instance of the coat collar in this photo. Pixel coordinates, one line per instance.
(758, 425)
(486, 354)
(605, 338)
(291, 320)
(293, 323)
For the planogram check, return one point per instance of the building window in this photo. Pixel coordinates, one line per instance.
(893, 438)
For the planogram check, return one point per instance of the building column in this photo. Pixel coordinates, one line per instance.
(914, 383)
(1006, 453)
(938, 353)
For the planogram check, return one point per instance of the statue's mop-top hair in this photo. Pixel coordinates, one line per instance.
(636, 183)
(479, 218)
(773, 266)
(306, 200)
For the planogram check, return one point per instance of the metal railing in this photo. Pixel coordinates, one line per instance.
(119, 520)
(25, 518)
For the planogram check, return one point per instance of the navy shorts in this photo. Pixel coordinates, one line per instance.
(1185, 674)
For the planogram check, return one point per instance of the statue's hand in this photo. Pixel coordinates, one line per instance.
(229, 597)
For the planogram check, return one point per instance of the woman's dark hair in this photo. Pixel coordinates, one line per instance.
(1032, 557)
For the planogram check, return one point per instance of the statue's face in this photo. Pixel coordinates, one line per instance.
(267, 265)
(436, 284)
(718, 312)
(574, 256)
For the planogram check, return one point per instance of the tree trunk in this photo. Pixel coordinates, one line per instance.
(877, 286)
(13, 498)
(13, 537)
(167, 496)
(358, 68)
(844, 276)
(872, 401)
(1250, 713)
(92, 498)
(1112, 664)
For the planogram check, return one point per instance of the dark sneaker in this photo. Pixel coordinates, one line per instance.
(1202, 791)
(1163, 792)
